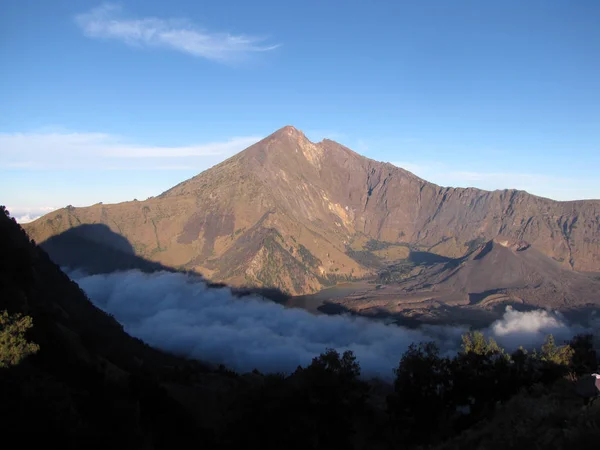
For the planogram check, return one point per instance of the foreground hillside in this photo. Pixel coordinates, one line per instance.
(296, 215)
(89, 384)
(75, 379)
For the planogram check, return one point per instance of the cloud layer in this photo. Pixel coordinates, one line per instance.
(75, 150)
(107, 22)
(25, 215)
(179, 314)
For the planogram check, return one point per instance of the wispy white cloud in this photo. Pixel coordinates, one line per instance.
(107, 22)
(76, 150)
(25, 215)
(551, 186)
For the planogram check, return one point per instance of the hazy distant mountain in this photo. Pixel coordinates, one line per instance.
(297, 215)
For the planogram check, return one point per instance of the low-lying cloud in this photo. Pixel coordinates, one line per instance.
(26, 215)
(180, 314)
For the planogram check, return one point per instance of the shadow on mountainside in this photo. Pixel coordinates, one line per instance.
(422, 257)
(96, 249)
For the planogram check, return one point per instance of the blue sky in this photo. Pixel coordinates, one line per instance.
(114, 101)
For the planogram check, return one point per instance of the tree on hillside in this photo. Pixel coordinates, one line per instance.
(422, 393)
(344, 366)
(331, 385)
(481, 373)
(318, 406)
(474, 342)
(14, 347)
(585, 358)
(561, 355)
(553, 361)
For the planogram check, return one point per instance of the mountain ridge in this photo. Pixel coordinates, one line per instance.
(289, 213)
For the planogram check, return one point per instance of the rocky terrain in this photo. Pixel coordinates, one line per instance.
(498, 272)
(296, 215)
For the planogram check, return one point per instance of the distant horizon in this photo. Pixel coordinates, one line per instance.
(107, 102)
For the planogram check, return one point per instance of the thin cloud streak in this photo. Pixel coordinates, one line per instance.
(73, 150)
(107, 22)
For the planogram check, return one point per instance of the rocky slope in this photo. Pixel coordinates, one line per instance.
(501, 271)
(298, 215)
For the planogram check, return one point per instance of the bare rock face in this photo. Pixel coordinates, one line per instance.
(284, 213)
(513, 244)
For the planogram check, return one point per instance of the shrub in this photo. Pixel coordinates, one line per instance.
(13, 345)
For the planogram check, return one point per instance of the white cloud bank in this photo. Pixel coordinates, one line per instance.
(26, 215)
(107, 22)
(76, 150)
(179, 314)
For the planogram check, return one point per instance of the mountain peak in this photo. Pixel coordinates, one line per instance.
(284, 212)
(289, 131)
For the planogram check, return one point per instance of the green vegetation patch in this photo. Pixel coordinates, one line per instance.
(365, 258)
(395, 273)
(14, 346)
(278, 263)
(474, 244)
(373, 245)
(308, 258)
